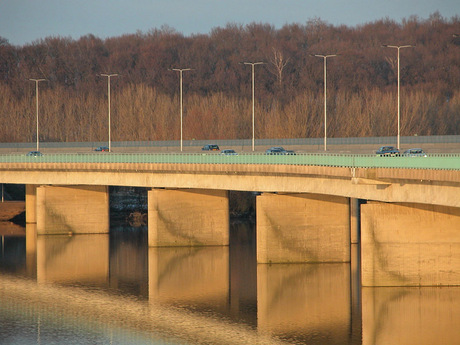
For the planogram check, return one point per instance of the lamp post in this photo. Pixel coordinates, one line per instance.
(180, 70)
(325, 96)
(399, 107)
(253, 130)
(108, 97)
(36, 101)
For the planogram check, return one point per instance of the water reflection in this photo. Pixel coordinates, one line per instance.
(409, 315)
(307, 302)
(114, 289)
(82, 259)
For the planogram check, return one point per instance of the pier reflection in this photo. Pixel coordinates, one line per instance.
(299, 303)
(307, 302)
(192, 276)
(82, 259)
(404, 315)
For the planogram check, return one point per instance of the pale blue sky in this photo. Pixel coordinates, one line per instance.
(24, 21)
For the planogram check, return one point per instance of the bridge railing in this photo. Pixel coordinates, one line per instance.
(232, 143)
(432, 161)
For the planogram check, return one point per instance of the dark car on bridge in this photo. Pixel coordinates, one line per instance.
(102, 149)
(414, 153)
(229, 152)
(279, 151)
(387, 151)
(34, 154)
(210, 147)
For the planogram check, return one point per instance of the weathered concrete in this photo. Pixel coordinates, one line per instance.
(408, 315)
(190, 275)
(188, 217)
(302, 228)
(435, 187)
(410, 245)
(305, 299)
(72, 209)
(31, 203)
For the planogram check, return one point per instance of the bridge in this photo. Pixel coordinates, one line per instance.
(404, 211)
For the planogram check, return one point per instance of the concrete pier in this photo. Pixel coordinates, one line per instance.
(188, 217)
(302, 228)
(68, 209)
(410, 245)
(31, 203)
(355, 220)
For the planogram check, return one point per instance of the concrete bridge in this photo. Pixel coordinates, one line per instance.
(404, 211)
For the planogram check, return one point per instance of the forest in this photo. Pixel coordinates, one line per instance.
(217, 90)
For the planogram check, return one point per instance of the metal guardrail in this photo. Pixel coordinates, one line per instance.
(415, 140)
(433, 161)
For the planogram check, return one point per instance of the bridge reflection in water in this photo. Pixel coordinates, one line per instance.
(301, 303)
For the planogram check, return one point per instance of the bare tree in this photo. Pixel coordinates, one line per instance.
(279, 62)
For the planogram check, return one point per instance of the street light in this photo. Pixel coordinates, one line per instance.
(108, 96)
(399, 108)
(36, 98)
(180, 70)
(253, 64)
(325, 96)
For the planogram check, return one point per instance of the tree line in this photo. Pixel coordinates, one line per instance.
(217, 91)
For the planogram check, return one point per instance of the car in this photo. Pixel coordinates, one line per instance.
(387, 151)
(414, 153)
(35, 153)
(229, 152)
(278, 150)
(210, 147)
(102, 149)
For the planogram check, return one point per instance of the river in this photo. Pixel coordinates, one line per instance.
(114, 289)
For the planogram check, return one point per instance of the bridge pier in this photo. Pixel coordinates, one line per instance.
(302, 228)
(68, 209)
(31, 202)
(410, 244)
(188, 217)
(354, 220)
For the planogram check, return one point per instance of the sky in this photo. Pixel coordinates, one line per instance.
(25, 21)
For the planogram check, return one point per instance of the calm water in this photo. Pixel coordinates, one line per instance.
(113, 289)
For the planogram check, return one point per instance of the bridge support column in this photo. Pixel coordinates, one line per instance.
(302, 228)
(354, 220)
(188, 217)
(410, 245)
(31, 203)
(71, 209)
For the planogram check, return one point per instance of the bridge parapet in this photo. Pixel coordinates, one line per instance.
(433, 161)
